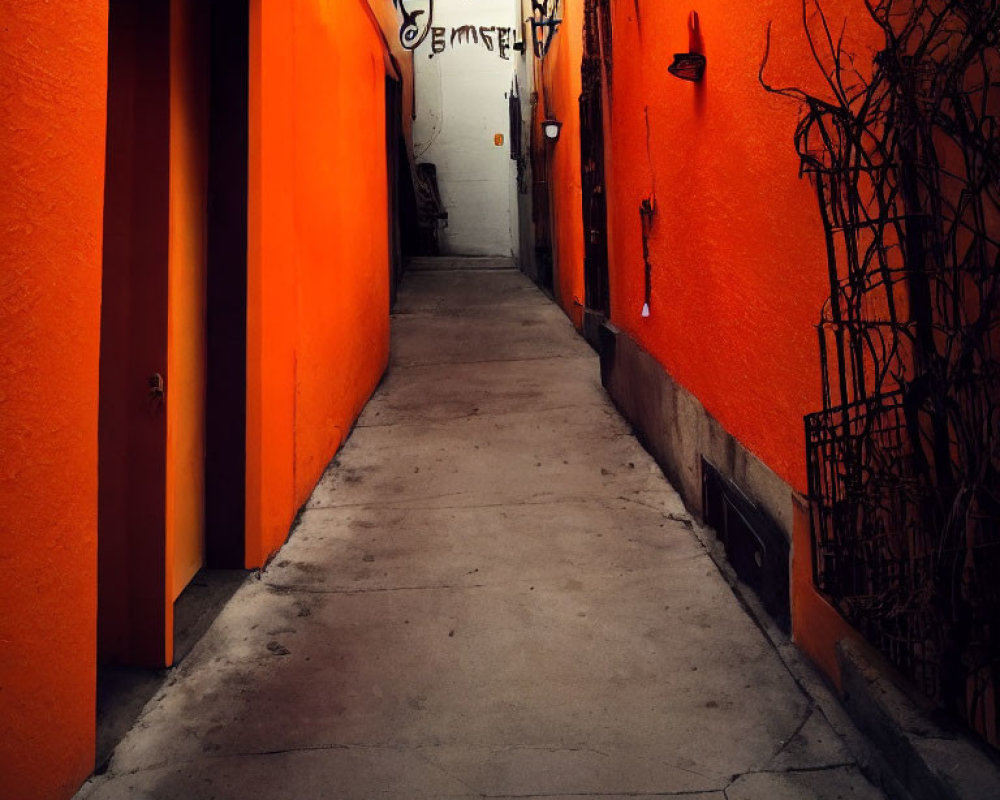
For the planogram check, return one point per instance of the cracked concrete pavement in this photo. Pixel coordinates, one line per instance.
(493, 593)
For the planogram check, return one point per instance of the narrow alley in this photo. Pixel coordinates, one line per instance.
(493, 592)
(500, 398)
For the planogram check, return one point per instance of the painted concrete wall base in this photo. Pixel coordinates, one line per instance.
(917, 758)
(749, 507)
(591, 328)
(900, 745)
(679, 432)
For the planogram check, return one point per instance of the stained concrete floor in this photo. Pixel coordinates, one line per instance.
(492, 593)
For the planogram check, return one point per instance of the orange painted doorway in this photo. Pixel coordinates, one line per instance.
(134, 614)
(187, 269)
(157, 400)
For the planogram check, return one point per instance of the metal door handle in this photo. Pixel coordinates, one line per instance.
(157, 387)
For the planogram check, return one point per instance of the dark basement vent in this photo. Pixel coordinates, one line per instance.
(755, 546)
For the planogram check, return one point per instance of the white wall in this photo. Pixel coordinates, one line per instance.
(462, 88)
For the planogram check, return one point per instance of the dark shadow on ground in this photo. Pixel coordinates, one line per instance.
(122, 692)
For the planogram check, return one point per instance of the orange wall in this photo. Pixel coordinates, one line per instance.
(817, 625)
(189, 135)
(737, 250)
(53, 80)
(738, 261)
(270, 338)
(318, 326)
(560, 98)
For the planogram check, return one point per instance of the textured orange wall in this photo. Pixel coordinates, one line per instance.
(271, 303)
(341, 229)
(738, 262)
(737, 253)
(560, 98)
(318, 326)
(53, 59)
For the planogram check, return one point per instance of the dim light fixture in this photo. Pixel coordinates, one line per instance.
(551, 128)
(690, 66)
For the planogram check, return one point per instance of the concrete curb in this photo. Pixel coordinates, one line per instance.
(811, 681)
(923, 760)
(896, 744)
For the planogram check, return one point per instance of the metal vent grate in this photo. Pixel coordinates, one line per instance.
(755, 546)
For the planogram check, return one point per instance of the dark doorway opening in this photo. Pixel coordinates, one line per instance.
(405, 234)
(394, 155)
(597, 303)
(141, 630)
(407, 211)
(226, 286)
(541, 209)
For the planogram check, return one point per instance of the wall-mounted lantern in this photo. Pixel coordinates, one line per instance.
(690, 66)
(551, 128)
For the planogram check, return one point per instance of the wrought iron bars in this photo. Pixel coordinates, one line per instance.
(904, 459)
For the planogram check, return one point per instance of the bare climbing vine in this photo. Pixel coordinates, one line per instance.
(904, 458)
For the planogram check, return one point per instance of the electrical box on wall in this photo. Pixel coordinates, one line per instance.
(755, 546)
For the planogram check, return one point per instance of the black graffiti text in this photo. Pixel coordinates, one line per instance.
(418, 16)
(495, 39)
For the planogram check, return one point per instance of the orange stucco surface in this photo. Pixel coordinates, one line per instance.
(189, 134)
(738, 274)
(560, 99)
(53, 80)
(817, 625)
(737, 253)
(318, 325)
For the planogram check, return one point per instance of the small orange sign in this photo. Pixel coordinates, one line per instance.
(498, 140)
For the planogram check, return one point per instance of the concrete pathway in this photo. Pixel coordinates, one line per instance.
(493, 593)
